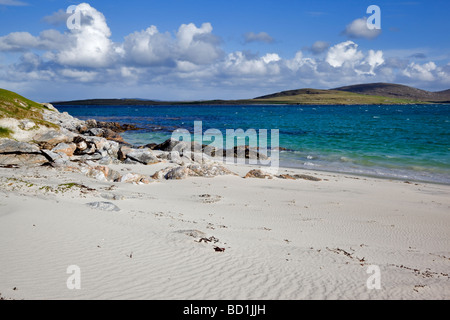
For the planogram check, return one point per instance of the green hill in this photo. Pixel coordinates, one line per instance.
(13, 105)
(317, 96)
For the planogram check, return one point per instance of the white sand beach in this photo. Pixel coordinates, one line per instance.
(283, 239)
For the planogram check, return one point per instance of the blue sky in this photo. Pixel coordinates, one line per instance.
(182, 50)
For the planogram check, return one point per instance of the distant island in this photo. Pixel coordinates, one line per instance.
(372, 93)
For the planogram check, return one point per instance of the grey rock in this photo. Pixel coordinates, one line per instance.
(51, 138)
(209, 170)
(142, 156)
(57, 159)
(96, 132)
(178, 173)
(13, 146)
(68, 149)
(258, 173)
(26, 159)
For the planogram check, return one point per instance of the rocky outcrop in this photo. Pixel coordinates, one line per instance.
(90, 146)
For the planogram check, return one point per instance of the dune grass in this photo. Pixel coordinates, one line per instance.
(5, 132)
(15, 106)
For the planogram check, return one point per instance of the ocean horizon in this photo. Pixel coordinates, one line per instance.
(408, 142)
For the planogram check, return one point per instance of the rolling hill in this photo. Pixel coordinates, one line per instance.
(373, 93)
(398, 91)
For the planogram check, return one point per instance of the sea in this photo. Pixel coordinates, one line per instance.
(407, 142)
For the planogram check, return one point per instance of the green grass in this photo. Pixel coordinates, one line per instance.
(334, 97)
(5, 132)
(15, 106)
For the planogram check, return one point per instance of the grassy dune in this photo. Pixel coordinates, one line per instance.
(15, 106)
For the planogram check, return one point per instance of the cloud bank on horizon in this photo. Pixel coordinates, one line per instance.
(193, 59)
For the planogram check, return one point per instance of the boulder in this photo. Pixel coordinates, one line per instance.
(135, 178)
(51, 138)
(13, 146)
(56, 159)
(306, 177)
(20, 153)
(25, 159)
(101, 173)
(178, 173)
(258, 173)
(143, 156)
(68, 149)
(209, 170)
(176, 145)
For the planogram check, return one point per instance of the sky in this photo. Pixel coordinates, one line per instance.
(207, 49)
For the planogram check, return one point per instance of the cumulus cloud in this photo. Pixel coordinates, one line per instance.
(198, 45)
(344, 52)
(374, 59)
(90, 45)
(319, 47)
(258, 37)
(423, 72)
(358, 29)
(240, 63)
(192, 57)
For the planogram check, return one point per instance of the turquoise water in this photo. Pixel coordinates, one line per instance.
(407, 142)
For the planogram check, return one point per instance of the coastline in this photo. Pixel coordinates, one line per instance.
(180, 229)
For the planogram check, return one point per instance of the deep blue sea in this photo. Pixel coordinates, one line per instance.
(410, 142)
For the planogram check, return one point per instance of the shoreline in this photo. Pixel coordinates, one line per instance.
(180, 229)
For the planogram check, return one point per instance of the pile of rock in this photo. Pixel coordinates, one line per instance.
(90, 146)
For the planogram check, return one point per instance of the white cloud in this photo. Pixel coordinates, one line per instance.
(374, 60)
(240, 63)
(423, 72)
(90, 45)
(192, 59)
(191, 44)
(344, 52)
(148, 47)
(258, 37)
(358, 29)
(18, 41)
